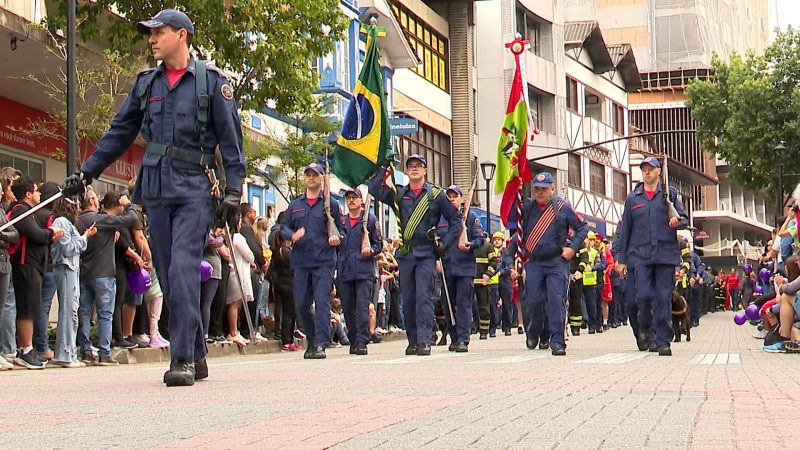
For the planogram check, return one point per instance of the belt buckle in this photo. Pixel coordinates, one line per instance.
(168, 150)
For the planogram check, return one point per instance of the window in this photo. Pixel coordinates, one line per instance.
(572, 95)
(537, 31)
(574, 170)
(618, 118)
(435, 147)
(542, 109)
(620, 186)
(597, 178)
(31, 167)
(430, 46)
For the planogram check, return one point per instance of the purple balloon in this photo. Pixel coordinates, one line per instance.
(740, 319)
(765, 274)
(139, 281)
(205, 270)
(752, 312)
(758, 290)
(747, 268)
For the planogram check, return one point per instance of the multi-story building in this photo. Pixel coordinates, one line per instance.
(23, 101)
(578, 88)
(673, 41)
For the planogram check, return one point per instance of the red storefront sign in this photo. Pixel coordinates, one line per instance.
(16, 116)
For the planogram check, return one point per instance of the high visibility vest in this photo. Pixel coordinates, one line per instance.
(590, 275)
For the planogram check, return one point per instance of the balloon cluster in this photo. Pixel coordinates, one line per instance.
(752, 312)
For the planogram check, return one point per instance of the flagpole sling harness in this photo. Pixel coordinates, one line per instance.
(201, 158)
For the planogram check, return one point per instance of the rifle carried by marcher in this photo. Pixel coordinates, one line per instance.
(333, 231)
(365, 244)
(462, 238)
(671, 211)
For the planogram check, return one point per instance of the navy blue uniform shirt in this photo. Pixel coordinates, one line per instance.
(644, 235)
(461, 263)
(313, 250)
(556, 237)
(419, 243)
(352, 264)
(172, 119)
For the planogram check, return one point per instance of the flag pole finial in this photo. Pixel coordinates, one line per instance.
(518, 36)
(373, 20)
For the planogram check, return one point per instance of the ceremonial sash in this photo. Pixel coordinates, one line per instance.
(416, 218)
(541, 227)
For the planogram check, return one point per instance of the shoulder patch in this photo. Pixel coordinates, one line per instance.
(227, 91)
(477, 221)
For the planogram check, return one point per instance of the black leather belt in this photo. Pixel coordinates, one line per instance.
(190, 156)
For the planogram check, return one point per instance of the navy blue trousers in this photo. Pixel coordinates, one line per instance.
(546, 285)
(461, 290)
(654, 286)
(312, 287)
(417, 277)
(508, 308)
(178, 235)
(356, 295)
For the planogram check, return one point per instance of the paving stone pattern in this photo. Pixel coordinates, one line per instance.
(718, 391)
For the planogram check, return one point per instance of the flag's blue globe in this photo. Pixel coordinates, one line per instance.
(359, 118)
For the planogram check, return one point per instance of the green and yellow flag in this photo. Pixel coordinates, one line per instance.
(365, 140)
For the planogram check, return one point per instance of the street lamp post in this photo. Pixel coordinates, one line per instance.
(487, 170)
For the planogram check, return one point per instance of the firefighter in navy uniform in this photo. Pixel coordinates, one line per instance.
(486, 259)
(184, 108)
(459, 270)
(313, 259)
(421, 207)
(547, 220)
(647, 242)
(356, 270)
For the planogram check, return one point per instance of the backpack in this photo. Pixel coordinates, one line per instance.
(21, 244)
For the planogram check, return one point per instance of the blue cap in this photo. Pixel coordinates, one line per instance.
(353, 191)
(651, 160)
(543, 180)
(455, 188)
(419, 158)
(172, 17)
(315, 168)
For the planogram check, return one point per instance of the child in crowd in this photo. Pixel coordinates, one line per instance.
(65, 253)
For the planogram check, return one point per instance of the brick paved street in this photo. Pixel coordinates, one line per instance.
(718, 391)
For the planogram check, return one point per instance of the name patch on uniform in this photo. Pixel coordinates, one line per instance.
(227, 91)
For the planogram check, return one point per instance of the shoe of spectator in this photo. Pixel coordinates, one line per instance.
(393, 329)
(124, 343)
(67, 364)
(238, 340)
(5, 365)
(299, 334)
(210, 340)
(28, 360)
(260, 338)
(222, 340)
(142, 340)
(792, 346)
(45, 356)
(89, 359)
(107, 361)
(760, 334)
(777, 347)
(379, 330)
(156, 341)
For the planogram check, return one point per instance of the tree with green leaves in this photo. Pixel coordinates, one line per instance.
(751, 104)
(101, 84)
(267, 44)
(306, 140)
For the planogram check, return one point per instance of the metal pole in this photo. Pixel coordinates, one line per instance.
(72, 138)
(488, 210)
(779, 211)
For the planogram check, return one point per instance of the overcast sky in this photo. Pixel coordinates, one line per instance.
(788, 13)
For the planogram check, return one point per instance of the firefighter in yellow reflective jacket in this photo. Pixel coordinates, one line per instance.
(592, 265)
(486, 259)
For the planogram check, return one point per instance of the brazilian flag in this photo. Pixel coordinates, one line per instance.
(365, 140)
